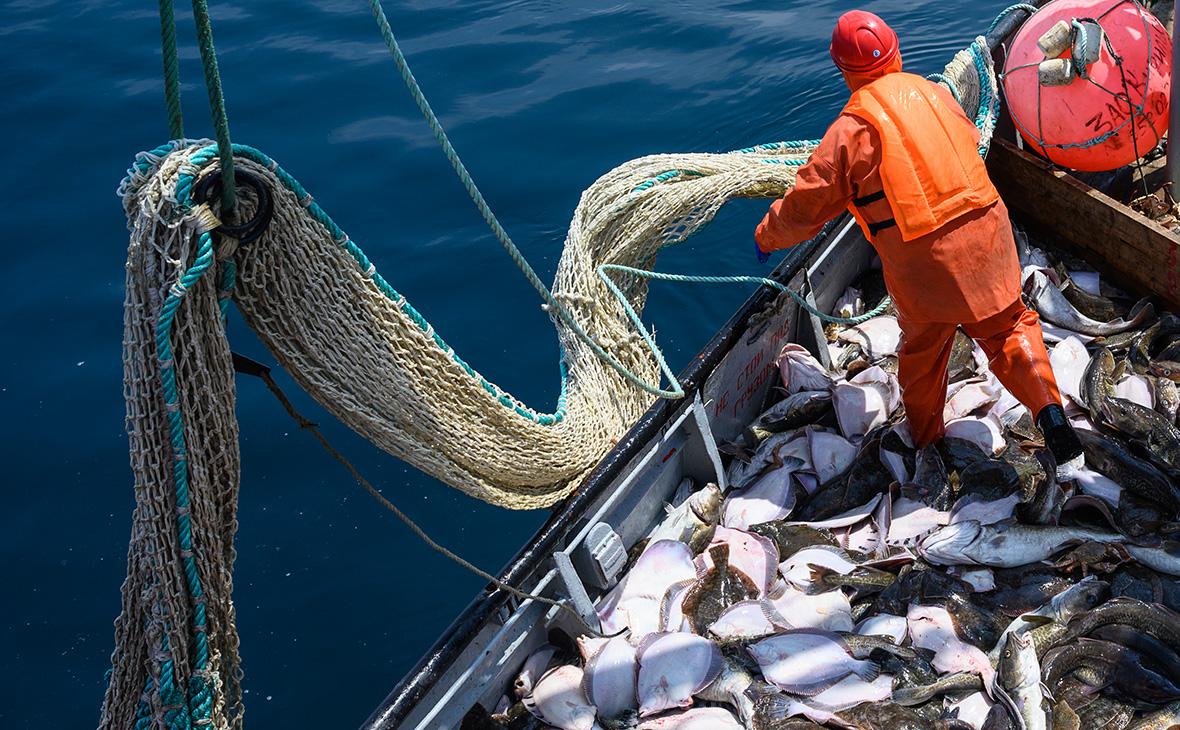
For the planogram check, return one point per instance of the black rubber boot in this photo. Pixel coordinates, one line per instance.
(1063, 443)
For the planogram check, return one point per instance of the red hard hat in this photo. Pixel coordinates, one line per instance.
(862, 42)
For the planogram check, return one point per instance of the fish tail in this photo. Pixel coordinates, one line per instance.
(868, 670)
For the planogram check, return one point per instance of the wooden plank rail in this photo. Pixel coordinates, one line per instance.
(1134, 251)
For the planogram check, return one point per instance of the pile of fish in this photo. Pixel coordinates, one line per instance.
(845, 579)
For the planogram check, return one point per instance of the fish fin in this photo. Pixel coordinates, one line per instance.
(1035, 619)
(736, 449)
(759, 688)
(819, 577)
(773, 616)
(1001, 696)
(1048, 693)
(868, 670)
(716, 665)
(647, 642)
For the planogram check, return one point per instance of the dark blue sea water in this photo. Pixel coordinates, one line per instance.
(336, 599)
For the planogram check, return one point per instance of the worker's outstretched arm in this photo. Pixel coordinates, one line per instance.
(822, 189)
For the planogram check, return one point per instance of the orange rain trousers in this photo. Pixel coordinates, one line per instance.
(1016, 353)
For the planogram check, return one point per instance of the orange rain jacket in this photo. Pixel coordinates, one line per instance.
(964, 268)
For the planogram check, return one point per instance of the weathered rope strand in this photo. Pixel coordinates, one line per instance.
(171, 69)
(216, 105)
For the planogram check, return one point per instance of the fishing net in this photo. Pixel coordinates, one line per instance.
(367, 356)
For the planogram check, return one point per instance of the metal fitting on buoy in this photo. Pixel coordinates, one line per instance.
(1056, 40)
(1055, 72)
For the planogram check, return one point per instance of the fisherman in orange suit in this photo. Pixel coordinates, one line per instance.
(903, 159)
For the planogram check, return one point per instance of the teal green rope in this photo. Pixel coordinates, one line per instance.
(216, 105)
(200, 700)
(692, 279)
(556, 307)
(171, 69)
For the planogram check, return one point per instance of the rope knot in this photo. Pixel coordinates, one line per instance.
(204, 219)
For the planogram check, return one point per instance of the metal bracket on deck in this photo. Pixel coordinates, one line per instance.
(575, 590)
(701, 415)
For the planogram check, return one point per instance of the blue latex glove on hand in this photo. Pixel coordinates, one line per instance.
(763, 257)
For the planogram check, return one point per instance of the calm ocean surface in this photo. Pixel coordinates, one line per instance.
(336, 599)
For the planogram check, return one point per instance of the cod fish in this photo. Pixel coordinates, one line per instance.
(672, 668)
(1123, 669)
(558, 700)
(1134, 475)
(1165, 719)
(690, 518)
(1145, 425)
(946, 684)
(610, 677)
(1098, 382)
(1161, 655)
(1005, 545)
(1152, 618)
(1087, 303)
(1051, 304)
(1019, 678)
(1167, 398)
(809, 661)
(1057, 613)
(1164, 559)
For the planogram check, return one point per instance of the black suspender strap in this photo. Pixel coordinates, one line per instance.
(874, 228)
(870, 198)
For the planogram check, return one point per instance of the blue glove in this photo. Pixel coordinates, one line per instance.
(763, 257)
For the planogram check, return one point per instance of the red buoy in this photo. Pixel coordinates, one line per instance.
(1085, 108)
